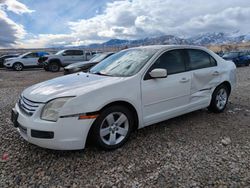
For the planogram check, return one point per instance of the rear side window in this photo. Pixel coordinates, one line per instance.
(199, 59)
(78, 52)
(172, 61)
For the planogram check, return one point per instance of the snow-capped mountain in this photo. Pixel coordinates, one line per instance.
(215, 38)
(201, 39)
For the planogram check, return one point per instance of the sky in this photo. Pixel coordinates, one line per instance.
(51, 23)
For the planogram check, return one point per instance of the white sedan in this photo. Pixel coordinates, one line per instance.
(132, 89)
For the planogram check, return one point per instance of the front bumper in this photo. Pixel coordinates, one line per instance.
(68, 133)
(7, 65)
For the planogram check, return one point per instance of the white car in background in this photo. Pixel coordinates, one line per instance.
(27, 60)
(129, 90)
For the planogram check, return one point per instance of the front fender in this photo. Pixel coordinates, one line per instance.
(97, 99)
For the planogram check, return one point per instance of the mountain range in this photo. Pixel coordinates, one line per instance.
(201, 39)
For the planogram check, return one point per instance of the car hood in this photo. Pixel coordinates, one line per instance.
(77, 65)
(70, 85)
(9, 59)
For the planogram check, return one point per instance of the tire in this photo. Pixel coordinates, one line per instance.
(18, 66)
(219, 99)
(247, 63)
(107, 133)
(54, 67)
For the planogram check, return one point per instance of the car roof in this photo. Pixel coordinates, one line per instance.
(165, 47)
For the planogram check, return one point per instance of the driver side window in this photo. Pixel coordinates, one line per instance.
(172, 60)
(31, 55)
(69, 53)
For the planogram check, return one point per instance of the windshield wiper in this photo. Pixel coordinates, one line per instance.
(99, 73)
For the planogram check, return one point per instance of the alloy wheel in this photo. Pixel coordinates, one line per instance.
(114, 128)
(221, 98)
(18, 67)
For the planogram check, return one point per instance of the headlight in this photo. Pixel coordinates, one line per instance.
(51, 110)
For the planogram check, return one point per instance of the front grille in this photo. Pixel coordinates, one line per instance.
(27, 106)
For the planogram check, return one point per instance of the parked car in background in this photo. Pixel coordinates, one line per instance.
(239, 58)
(86, 65)
(63, 58)
(2, 58)
(129, 90)
(27, 60)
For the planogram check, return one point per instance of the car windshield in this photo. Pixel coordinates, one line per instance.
(98, 57)
(123, 64)
(59, 52)
(230, 55)
(24, 54)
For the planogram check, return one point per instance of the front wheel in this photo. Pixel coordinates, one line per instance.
(18, 66)
(219, 99)
(112, 127)
(54, 67)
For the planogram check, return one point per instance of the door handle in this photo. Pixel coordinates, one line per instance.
(216, 73)
(184, 80)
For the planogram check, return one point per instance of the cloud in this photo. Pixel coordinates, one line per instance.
(228, 20)
(10, 31)
(133, 19)
(15, 6)
(138, 18)
(55, 40)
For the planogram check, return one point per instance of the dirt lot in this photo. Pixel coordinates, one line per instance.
(200, 149)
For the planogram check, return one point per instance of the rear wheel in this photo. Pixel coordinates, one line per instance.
(112, 128)
(54, 67)
(247, 63)
(219, 99)
(18, 66)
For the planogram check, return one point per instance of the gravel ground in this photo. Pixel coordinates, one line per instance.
(200, 149)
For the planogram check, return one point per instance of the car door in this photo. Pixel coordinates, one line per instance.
(78, 56)
(68, 57)
(31, 59)
(205, 76)
(163, 98)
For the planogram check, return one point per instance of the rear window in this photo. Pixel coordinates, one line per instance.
(199, 59)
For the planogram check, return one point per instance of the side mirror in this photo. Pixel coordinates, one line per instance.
(158, 73)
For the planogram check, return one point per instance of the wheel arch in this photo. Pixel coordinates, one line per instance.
(55, 60)
(17, 62)
(127, 105)
(228, 85)
(121, 103)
